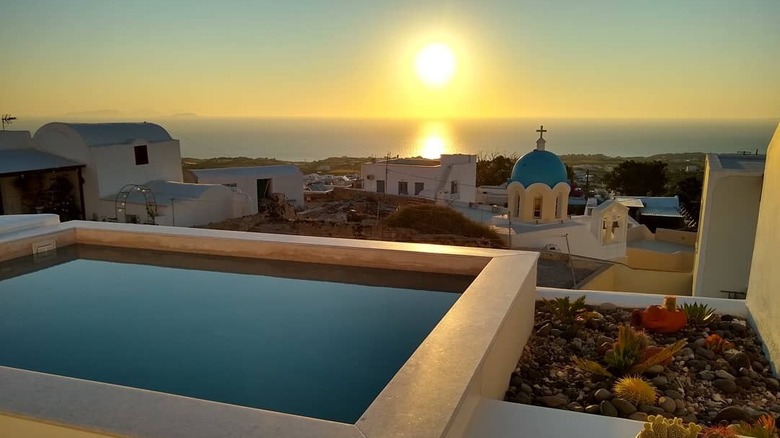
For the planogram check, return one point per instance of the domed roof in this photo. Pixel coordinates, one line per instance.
(539, 166)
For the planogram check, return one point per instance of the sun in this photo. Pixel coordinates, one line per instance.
(435, 65)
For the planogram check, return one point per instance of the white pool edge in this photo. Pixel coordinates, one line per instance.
(467, 357)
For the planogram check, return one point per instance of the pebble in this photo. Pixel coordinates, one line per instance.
(638, 416)
(603, 394)
(674, 394)
(561, 341)
(667, 404)
(757, 366)
(707, 375)
(772, 383)
(526, 388)
(723, 374)
(607, 409)
(593, 409)
(717, 397)
(576, 343)
(553, 401)
(604, 339)
(660, 381)
(607, 307)
(737, 327)
(651, 410)
(576, 407)
(544, 330)
(680, 405)
(623, 406)
(555, 332)
(709, 354)
(725, 386)
(732, 413)
(655, 369)
(700, 343)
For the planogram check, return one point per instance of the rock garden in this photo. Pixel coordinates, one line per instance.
(666, 365)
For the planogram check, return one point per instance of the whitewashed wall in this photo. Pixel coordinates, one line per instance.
(762, 296)
(729, 214)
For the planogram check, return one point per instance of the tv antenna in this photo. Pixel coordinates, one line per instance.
(7, 120)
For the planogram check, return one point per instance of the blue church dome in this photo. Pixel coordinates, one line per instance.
(539, 166)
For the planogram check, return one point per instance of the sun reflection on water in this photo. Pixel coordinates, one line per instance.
(433, 140)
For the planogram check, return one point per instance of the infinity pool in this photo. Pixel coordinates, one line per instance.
(285, 336)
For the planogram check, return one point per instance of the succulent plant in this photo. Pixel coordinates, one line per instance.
(628, 355)
(660, 427)
(763, 428)
(636, 390)
(698, 314)
(718, 432)
(717, 344)
(564, 310)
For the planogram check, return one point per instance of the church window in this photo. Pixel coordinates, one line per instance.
(537, 207)
(141, 155)
(558, 201)
(453, 187)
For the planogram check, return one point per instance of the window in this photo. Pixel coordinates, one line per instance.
(141, 155)
(403, 188)
(558, 201)
(380, 186)
(418, 187)
(453, 187)
(537, 207)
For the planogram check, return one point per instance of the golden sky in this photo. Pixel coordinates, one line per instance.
(607, 59)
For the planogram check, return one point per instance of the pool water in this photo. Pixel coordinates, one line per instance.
(322, 349)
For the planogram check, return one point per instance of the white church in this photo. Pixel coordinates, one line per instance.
(538, 199)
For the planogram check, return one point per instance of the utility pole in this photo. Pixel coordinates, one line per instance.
(587, 183)
(173, 213)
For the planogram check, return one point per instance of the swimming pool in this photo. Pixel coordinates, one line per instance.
(291, 337)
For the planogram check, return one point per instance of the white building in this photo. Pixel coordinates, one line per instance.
(727, 223)
(133, 174)
(258, 182)
(451, 178)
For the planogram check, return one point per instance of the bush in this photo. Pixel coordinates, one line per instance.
(435, 219)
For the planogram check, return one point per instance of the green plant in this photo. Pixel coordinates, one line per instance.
(628, 355)
(564, 310)
(660, 427)
(636, 390)
(763, 428)
(698, 314)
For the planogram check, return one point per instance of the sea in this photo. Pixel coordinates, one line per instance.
(292, 139)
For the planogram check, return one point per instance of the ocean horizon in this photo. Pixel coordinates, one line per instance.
(304, 139)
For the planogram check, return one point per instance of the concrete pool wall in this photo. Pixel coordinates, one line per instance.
(465, 359)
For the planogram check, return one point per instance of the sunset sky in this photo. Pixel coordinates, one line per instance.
(594, 59)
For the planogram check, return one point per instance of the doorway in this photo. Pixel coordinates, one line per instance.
(263, 189)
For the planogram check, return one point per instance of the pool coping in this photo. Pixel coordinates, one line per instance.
(464, 359)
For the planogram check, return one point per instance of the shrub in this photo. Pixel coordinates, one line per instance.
(698, 314)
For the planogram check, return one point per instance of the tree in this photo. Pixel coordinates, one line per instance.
(494, 170)
(638, 178)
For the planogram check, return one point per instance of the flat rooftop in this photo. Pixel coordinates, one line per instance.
(739, 163)
(659, 246)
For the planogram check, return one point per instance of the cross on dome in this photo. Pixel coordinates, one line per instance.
(541, 141)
